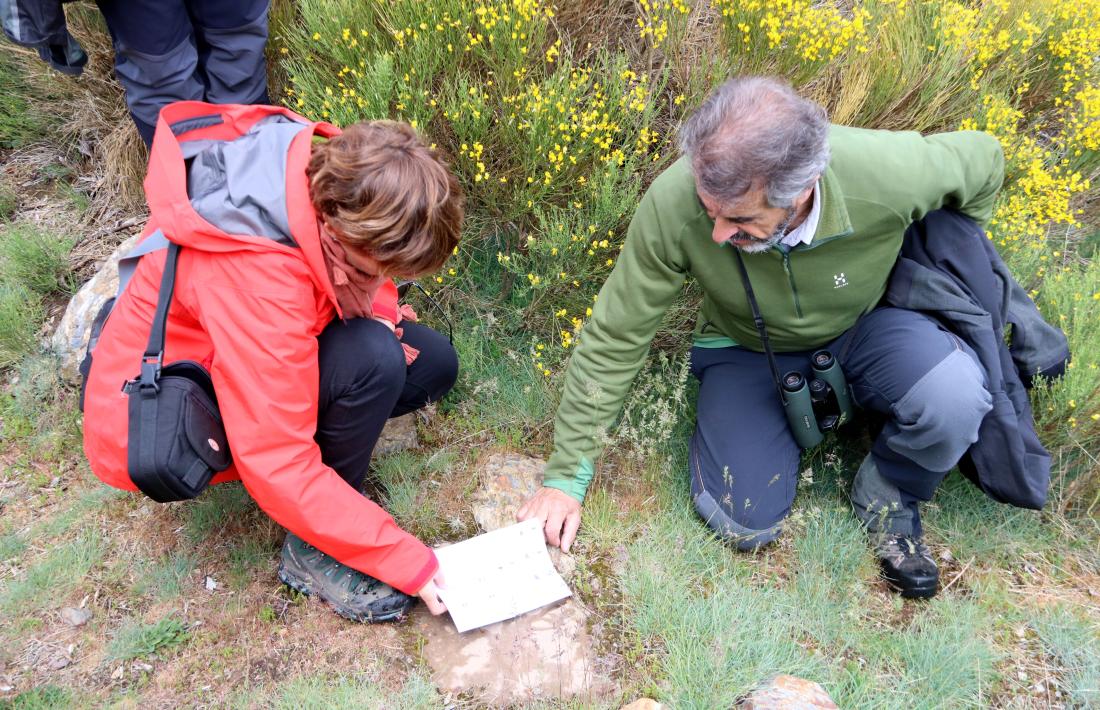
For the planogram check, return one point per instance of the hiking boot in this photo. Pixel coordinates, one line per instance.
(351, 594)
(907, 565)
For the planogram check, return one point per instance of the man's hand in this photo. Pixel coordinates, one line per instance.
(560, 514)
(430, 594)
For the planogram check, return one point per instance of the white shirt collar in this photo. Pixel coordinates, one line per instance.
(804, 233)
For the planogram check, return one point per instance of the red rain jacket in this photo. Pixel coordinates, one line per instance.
(249, 308)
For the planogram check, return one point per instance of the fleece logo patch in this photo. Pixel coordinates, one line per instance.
(839, 280)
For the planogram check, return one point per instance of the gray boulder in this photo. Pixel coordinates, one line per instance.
(71, 337)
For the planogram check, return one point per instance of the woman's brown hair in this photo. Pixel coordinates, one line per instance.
(387, 195)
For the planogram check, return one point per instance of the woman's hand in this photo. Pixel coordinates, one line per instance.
(430, 594)
(408, 313)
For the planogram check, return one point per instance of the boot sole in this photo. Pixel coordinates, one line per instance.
(924, 590)
(367, 618)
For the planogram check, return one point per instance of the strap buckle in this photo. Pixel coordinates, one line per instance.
(151, 364)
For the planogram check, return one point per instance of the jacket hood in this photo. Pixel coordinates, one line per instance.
(226, 178)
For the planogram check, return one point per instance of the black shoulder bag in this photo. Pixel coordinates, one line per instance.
(177, 440)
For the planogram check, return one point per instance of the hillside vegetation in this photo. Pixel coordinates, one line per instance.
(556, 117)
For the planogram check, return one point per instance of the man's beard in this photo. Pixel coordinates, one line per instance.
(755, 246)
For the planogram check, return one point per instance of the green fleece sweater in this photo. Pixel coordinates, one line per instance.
(876, 185)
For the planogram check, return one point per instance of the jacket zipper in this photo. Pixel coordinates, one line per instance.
(790, 280)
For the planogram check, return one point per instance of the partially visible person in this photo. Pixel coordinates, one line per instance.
(171, 50)
(187, 50)
(818, 215)
(40, 25)
(290, 232)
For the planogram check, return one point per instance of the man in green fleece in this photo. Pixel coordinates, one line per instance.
(817, 212)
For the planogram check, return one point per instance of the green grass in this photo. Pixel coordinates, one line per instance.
(248, 558)
(213, 510)
(46, 697)
(48, 581)
(345, 693)
(1073, 643)
(57, 524)
(36, 258)
(21, 121)
(700, 610)
(21, 310)
(408, 480)
(164, 577)
(40, 409)
(135, 640)
(33, 267)
(9, 201)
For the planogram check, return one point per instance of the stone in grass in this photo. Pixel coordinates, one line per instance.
(643, 704)
(71, 337)
(75, 617)
(399, 434)
(508, 480)
(546, 654)
(787, 692)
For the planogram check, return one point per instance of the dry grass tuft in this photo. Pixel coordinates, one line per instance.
(99, 125)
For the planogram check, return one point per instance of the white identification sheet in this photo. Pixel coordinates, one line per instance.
(498, 575)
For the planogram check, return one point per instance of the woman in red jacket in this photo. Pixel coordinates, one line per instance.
(290, 232)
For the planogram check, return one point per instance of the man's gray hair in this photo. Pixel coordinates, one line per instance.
(756, 131)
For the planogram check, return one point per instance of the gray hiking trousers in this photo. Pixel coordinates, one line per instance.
(901, 364)
(187, 50)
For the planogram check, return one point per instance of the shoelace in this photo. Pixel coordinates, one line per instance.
(364, 585)
(907, 548)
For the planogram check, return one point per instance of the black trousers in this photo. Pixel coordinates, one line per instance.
(364, 381)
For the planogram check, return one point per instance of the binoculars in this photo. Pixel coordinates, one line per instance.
(820, 405)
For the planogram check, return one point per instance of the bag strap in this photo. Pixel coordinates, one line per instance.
(758, 320)
(153, 359)
(127, 265)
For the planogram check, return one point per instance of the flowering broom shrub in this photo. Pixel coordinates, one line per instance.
(555, 141)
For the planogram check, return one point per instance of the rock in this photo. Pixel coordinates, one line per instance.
(71, 337)
(547, 654)
(565, 564)
(507, 481)
(786, 692)
(75, 617)
(399, 434)
(643, 704)
(59, 661)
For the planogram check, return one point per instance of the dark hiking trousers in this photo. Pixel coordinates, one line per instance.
(187, 50)
(364, 381)
(902, 364)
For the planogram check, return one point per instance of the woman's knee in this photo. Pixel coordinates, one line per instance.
(435, 369)
(360, 351)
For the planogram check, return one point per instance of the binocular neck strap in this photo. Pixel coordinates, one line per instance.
(758, 320)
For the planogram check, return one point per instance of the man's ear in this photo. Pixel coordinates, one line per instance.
(805, 194)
